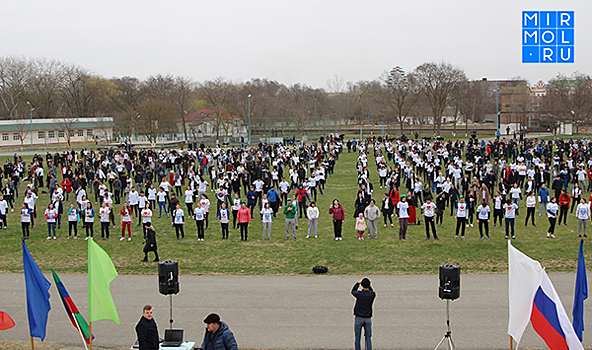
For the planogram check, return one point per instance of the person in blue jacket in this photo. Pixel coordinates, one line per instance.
(273, 198)
(218, 336)
(251, 200)
(543, 195)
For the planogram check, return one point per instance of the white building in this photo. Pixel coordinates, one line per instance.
(55, 131)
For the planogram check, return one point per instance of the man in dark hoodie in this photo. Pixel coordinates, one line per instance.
(218, 336)
(147, 331)
(363, 312)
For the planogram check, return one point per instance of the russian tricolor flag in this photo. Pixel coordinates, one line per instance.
(533, 298)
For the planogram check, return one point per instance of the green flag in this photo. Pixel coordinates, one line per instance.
(100, 274)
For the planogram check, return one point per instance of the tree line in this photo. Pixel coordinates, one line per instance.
(154, 106)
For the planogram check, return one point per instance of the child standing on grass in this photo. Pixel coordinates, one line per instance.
(360, 226)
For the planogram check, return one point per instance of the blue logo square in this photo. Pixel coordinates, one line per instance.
(565, 37)
(530, 54)
(565, 54)
(548, 54)
(548, 36)
(548, 19)
(530, 19)
(566, 19)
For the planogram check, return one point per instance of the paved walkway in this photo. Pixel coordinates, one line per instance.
(296, 312)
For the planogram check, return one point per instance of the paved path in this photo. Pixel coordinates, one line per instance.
(298, 312)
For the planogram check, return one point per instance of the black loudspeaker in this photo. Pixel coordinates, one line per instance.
(168, 277)
(449, 282)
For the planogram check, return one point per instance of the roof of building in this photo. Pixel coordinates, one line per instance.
(204, 115)
(57, 123)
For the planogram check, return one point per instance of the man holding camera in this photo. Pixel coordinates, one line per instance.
(363, 312)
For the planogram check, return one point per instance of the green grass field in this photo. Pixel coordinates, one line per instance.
(385, 255)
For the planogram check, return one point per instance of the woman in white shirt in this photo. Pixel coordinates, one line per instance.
(552, 210)
(266, 218)
(403, 211)
(178, 221)
(313, 219)
(104, 218)
(152, 196)
(89, 220)
(50, 214)
(530, 207)
(583, 214)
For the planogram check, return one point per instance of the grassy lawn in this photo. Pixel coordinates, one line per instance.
(385, 255)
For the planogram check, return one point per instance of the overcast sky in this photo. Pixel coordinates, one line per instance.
(305, 41)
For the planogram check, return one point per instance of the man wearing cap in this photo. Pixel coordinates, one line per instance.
(290, 212)
(218, 336)
(363, 312)
(147, 331)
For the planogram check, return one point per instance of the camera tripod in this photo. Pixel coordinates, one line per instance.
(448, 335)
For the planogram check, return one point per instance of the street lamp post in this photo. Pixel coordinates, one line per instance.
(31, 123)
(497, 114)
(249, 99)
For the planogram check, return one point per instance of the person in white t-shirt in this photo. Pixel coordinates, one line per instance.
(462, 213)
(104, 218)
(583, 214)
(178, 221)
(146, 218)
(483, 213)
(126, 221)
(552, 211)
(403, 212)
(510, 212)
(429, 210)
(266, 218)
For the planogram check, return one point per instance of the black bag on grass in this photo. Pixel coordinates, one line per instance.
(320, 269)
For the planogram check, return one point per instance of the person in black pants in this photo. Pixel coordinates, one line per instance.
(150, 244)
(363, 312)
(429, 210)
(147, 331)
(387, 210)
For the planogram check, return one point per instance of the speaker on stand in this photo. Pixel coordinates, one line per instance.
(449, 289)
(168, 281)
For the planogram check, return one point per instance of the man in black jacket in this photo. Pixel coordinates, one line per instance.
(147, 331)
(363, 312)
(150, 245)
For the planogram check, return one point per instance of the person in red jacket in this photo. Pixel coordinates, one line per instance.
(338, 218)
(243, 217)
(301, 196)
(564, 200)
(67, 187)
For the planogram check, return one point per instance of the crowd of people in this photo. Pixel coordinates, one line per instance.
(472, 180)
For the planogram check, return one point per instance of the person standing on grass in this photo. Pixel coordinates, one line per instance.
(530, 208)
(312, 213)
(543, 194)
(372, 213)
(576, 195)
(224, 216)
(462, 212)
(552, 210)
(387, 209)
(290, 213)
(360, 226)
(429, 209)
(178, 221)
(583, 214)
(104, 219)
(338, 218)
(162, 198)
(498, 208)
(126, 221)
(3, 211)
(205, 204)
(133, 199)
(199, 215)
(244, 217)
(363, 312)
(73, 219)
(236, 205)
(440, 208)
(89, 220)
(510, 212)
(146, 218)
(50, 215)
(403, 212)
(266, 219)
(483, 212)
(150, 245)
(516, 195)
(25, 220)
(564, 201)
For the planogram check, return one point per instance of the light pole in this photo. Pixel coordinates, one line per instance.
(249, 99)
(497, 114)
(31, 123)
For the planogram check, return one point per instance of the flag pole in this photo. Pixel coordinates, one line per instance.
(511, 343)
(32, 344)
(90, 334)
(80, 332)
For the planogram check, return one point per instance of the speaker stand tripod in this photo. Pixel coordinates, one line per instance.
(448, 336)
(171, 309)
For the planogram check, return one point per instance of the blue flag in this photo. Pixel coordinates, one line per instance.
(581, 294)
(37, 287)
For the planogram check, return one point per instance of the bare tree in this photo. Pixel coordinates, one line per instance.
(570, 97)
(218, 95)
(400, 94)
(154, 118)
(437, 82)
